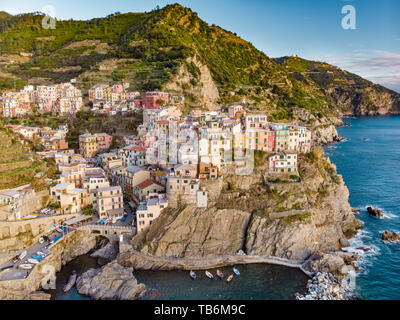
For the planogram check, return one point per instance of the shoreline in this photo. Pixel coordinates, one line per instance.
(141, 261)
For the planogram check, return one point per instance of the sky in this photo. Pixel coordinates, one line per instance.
(311, 29)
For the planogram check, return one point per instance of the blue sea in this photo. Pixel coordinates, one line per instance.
(371, 171)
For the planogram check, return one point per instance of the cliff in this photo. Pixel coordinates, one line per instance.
(262, 216)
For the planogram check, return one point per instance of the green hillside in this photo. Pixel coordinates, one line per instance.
(149, 49)
(18, 166)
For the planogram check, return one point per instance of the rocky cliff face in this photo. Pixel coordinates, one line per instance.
(286, 220)
(196, 76)
(197, 232)
(324, 134)
(372, 101)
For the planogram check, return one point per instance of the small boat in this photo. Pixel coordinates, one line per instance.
(236, 271)
(209, 275)
(22, 255)
(71, 281)
(220, 274)
(229, 278)
(193, 275)
(33, 261)
(26, 266)
(365, 139)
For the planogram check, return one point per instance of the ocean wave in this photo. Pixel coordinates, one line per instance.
(389, 215)
(358, 245)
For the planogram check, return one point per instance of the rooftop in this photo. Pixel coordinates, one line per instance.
(147, 183)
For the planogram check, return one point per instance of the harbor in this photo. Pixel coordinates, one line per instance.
(256, 282)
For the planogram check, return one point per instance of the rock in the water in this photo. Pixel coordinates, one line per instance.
(374, 212)
(111, 282)
(390, 236)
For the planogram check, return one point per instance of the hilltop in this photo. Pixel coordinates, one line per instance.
(4, 15)
(172, 48)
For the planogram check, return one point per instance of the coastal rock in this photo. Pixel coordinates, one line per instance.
(107, 252)
(374, 212)
(356, 211)
(328, 263)
(111, 282)
(390, 236)
(325, 134)
(325, 286)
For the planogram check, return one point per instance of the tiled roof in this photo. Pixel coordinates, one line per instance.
(147, 183)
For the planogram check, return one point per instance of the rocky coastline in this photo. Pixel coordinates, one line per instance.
(324, 286)
(111, 282)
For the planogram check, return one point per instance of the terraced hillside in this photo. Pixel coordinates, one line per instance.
(18, 167)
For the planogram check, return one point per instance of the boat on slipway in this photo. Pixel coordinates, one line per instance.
(26, 266)
(220, 274)
(236, 271)
(209, 275)
(33, 261)
(193, 275)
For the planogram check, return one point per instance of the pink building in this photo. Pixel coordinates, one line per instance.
(233, 110)
(110, 203)
(150, 100)
(104, 140)
(186, 170)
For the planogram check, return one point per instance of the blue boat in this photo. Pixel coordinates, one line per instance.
(236, 271)
(192, 275)
(56, 239)
(37, 257)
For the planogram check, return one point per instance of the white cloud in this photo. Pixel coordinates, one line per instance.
(378, 66)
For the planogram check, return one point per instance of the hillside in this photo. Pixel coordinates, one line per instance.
(173, 48)
(348, 92)
(4, 15)
(18, 167)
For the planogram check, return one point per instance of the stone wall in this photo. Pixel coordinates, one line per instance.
(65, 250)
(14, 235)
